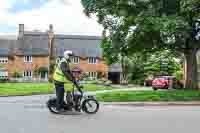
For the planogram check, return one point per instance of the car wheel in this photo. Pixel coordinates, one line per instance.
(155, 89)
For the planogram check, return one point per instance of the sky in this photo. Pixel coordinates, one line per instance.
(66, 16)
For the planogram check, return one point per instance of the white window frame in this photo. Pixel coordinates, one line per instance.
(26, 59)
(27, 74)
(92, 60)
(3, 60)
(3, 74)
(92, 74)
(76, 60)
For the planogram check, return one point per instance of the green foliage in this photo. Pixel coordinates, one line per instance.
(161, 62)
(159, 23)
(108, 52)
(36, 72)
(147, 25)
(151, 64)
(16, 75)
(179, 75)
(1, 66)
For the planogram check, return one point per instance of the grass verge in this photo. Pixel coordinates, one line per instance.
(12, 89)
(147, 96)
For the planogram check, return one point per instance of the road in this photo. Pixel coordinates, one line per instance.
(29, 115)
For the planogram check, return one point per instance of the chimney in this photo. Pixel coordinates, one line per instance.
(50, 42)
(21, 31)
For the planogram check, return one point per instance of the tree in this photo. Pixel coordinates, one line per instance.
(153, 64)
(116, 50)
(161, 63)
(152, 25)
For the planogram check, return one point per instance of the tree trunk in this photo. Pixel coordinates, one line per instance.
(124, 71)
(191, 69)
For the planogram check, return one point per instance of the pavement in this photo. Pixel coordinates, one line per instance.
(121, 89)
(29, 115)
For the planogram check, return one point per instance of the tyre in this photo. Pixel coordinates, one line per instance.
(90, 106)
(166, 86)
(51, 105)
(155, 89)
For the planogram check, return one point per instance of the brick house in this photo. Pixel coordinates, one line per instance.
(28, 54)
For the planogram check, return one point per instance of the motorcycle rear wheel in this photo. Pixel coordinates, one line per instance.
(51, 104)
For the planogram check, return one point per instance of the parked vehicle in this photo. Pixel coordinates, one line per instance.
(160, 83)
(75, 101)
(163, 82)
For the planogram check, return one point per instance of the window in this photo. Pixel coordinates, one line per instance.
(3, 60)
(92, 60)
(28, 74)
(75, 60)
(92, 74)
(3, 74)
(27, 59)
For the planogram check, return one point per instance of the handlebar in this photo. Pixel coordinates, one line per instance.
(79, 87)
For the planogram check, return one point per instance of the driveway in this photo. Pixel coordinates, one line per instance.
(29, 115)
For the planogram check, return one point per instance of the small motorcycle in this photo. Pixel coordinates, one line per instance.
(77, 101)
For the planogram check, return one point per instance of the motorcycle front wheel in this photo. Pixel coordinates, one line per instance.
(90, 106)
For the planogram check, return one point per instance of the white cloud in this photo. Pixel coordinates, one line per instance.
(6, 4)
(66, 15)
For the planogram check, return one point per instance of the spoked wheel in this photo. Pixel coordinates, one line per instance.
(51, 104)
(90, 106)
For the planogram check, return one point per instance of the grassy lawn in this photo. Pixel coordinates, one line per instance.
(140, 96)
(38, 88)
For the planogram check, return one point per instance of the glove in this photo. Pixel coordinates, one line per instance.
(80, 86)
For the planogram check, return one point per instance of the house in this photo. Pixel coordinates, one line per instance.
(6, 57)
(28, 55)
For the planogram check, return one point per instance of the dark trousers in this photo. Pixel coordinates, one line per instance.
(60, 95)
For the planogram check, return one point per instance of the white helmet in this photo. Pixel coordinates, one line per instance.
(67, 54)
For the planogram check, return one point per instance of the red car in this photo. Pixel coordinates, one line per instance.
(161, 82)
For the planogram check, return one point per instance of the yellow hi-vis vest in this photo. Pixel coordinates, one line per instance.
(59, 75)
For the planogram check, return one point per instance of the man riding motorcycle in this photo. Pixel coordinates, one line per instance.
(61, 76)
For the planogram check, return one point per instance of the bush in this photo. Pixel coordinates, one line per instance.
(100, 82)
(104, 82)
(137, 82)
(84, 76)
(16, 75)
(179, 75)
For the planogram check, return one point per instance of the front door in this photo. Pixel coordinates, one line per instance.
(43, 75)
